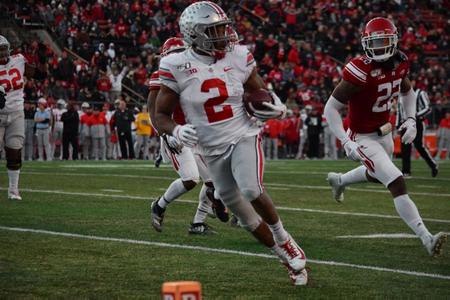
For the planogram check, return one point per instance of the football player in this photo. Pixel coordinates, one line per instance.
(189, 166)
(208, 81)
(57, 128)
(13, 69)
(369, 85)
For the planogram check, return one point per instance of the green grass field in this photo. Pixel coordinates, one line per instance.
(83, 231)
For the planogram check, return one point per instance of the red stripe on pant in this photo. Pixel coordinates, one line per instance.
(367, 161)
(260, 163)
(175, 163)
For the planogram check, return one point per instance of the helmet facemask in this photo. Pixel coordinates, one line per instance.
(380, 47)
(214, 40)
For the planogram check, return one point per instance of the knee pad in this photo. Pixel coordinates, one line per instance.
(251, 194)
(246, 214)
(13, 158)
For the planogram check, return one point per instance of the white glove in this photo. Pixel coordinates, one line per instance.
(186, 135)
(277, 109)
(174, 143)
(409, 131)
(351, 150)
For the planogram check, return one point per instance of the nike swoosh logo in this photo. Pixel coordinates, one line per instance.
(227, 69)
(206, 17)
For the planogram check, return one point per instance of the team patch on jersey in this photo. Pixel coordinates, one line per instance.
(375, 72)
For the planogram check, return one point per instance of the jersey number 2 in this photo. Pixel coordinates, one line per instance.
(16, 81)
(384, 102)
(210, 105)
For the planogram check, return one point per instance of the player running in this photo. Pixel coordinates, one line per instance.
(369, 85)
(208, 81)
(189, 166)
(13, 69)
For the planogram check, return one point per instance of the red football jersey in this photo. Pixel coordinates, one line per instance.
(369, 109)
(155, 84)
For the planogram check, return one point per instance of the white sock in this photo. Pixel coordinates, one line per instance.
(216, 194)
(175, 190)
(203, 206)
(280, 235)
(13, 179)
(407, 210)
(354, 176)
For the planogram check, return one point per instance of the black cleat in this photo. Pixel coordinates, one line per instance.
(234, 222)
(201, 229)
(158, 160)
(157, 214)
(219, 209)
(434, 171)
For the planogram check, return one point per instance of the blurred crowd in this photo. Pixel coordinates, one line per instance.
(100, 132)
(300, 47)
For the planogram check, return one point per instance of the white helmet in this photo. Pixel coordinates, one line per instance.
(199, 24)
(61, 103)
(4, 48)
(85, 105)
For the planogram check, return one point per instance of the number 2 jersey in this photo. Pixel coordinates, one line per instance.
(211, 95)
(370, 108)
(12, 79)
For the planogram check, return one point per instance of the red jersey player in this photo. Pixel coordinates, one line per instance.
(369, 85)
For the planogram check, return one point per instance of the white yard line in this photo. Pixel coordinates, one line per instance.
(220, 250)
(112, 191)
(382, 236)
(379, 236)
(344, 213)
(313, 187)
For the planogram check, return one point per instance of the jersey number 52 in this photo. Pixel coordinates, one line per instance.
(16, 82)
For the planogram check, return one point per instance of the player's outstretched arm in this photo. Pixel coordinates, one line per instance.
(408, 99)
(338, 99)
(151, 104)
(165, 104)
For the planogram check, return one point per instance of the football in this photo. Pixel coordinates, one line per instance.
(254, 101)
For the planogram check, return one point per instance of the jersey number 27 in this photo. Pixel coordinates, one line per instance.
(389, 90)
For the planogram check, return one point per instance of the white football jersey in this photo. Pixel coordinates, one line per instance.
(211, 95)
(57, 113)
(12, 79)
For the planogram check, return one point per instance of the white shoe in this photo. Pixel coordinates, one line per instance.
(334, 180)
(14, 195)
(298, 277)
(434, 246)
(291, 255)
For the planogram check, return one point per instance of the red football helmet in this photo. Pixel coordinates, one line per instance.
(379, 39)
(172, 44)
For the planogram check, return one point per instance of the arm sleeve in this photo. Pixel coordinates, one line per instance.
(408, 100)
(334, 118)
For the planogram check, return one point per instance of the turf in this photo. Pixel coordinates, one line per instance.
(111, 199)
